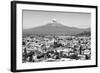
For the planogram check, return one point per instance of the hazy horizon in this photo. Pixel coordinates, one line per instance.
(33, 18)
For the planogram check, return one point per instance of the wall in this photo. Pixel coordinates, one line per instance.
(5, 36)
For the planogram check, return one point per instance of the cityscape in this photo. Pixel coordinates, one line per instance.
(55, 42)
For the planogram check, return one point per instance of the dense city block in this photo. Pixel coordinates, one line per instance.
(48, 48)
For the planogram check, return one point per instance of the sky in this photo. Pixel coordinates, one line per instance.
(33, 18)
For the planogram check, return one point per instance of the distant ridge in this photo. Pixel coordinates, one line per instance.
(55, 27)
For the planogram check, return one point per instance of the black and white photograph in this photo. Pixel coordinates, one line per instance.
(55, 36)
(47, 36)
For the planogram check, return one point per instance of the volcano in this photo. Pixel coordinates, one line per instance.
(55, 27)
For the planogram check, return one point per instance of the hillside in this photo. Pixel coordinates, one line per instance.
(54, 28)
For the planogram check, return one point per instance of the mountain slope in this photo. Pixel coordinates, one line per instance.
(54, 28)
